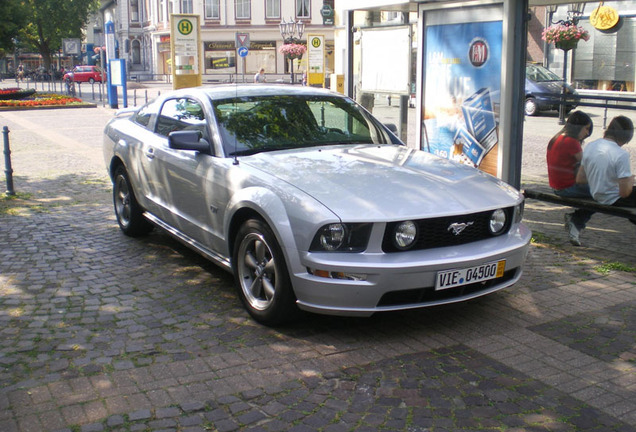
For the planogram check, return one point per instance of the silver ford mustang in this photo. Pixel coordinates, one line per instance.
(311, 202)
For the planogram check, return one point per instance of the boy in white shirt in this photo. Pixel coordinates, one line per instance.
(605, 165)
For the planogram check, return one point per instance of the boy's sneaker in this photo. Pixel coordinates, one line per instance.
(572, 230)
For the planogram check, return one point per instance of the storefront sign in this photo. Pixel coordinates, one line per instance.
(328, 14)
(604, 17)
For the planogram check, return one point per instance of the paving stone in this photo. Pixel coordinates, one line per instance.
(101, 330)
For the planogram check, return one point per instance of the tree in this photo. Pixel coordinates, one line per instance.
(53, 20)
(14, 18)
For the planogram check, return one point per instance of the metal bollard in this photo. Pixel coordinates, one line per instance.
(7, 162)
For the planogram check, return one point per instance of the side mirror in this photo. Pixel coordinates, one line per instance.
(188, 140)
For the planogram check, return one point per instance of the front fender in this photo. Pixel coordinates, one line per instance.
(292, 232)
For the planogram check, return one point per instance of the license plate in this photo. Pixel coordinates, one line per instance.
(480, 273)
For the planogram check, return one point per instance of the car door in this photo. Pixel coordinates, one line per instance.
(188, 200)
(136, 140)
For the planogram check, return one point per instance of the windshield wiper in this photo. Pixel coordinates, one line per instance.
(246, 152)
(252, 151)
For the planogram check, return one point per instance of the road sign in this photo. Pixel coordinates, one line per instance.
(71, 46)
(242, 51)
(242, 40)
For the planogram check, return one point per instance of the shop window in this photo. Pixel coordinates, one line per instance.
(272, 9)
(212, 9)
(303, 8)
(243, 9)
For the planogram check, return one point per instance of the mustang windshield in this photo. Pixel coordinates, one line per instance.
(254, 124)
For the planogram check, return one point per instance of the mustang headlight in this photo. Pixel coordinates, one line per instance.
(339, 237)
(497, 221)
(405, 235)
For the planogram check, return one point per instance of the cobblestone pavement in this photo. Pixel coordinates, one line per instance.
(100, 332)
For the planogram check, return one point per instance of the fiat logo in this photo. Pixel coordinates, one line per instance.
(478, 52)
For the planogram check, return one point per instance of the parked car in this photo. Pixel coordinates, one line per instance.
(311, 202)
(89, 74)
(543, 90)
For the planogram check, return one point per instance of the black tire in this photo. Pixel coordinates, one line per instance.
(261, 275)
(127, 210)
(530, 107)
(91, 81)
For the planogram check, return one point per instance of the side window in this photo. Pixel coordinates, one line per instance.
(181, 114)
(144, 115)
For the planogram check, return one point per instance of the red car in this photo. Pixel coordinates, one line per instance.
(86, 74)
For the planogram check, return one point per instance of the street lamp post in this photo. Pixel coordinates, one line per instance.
(575, 10)
(291, 31)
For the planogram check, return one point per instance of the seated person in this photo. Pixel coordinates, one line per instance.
(605, 165)
(563, 157)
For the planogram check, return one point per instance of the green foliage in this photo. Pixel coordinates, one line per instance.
(607, 267)
(14, 17)
(50, 21)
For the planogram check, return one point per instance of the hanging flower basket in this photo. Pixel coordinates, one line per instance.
(293, 51)
(567, 45)
(565, 36)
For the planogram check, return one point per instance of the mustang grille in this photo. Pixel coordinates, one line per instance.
(435, 232)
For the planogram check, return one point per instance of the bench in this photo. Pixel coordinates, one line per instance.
(582, 203)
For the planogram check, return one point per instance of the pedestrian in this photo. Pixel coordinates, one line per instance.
(70, 86)
(20, 76)
(260, 76)
(605, 166)
(563, 158)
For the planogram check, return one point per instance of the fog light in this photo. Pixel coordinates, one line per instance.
(405, 235)
(497, 221)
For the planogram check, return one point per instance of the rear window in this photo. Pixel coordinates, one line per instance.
(144, 115)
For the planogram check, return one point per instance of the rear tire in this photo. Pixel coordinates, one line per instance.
(127, 210)
(261, 275)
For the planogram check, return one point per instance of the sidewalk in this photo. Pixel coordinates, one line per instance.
(100, 332)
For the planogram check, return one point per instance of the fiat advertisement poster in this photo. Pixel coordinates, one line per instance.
(461, 92)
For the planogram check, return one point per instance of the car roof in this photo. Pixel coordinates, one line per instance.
(226, 91)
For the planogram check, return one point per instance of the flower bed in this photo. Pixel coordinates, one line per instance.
(15, 93)
(17, 98)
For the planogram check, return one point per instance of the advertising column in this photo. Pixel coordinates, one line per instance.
(462, 73)
(185, 47)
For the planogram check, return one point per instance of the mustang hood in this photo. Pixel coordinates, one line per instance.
(385, 182)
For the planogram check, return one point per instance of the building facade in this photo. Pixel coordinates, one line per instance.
(142, 34)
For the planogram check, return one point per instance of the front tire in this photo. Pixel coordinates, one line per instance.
(261, 275)
(127, 210)
(531, 108)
